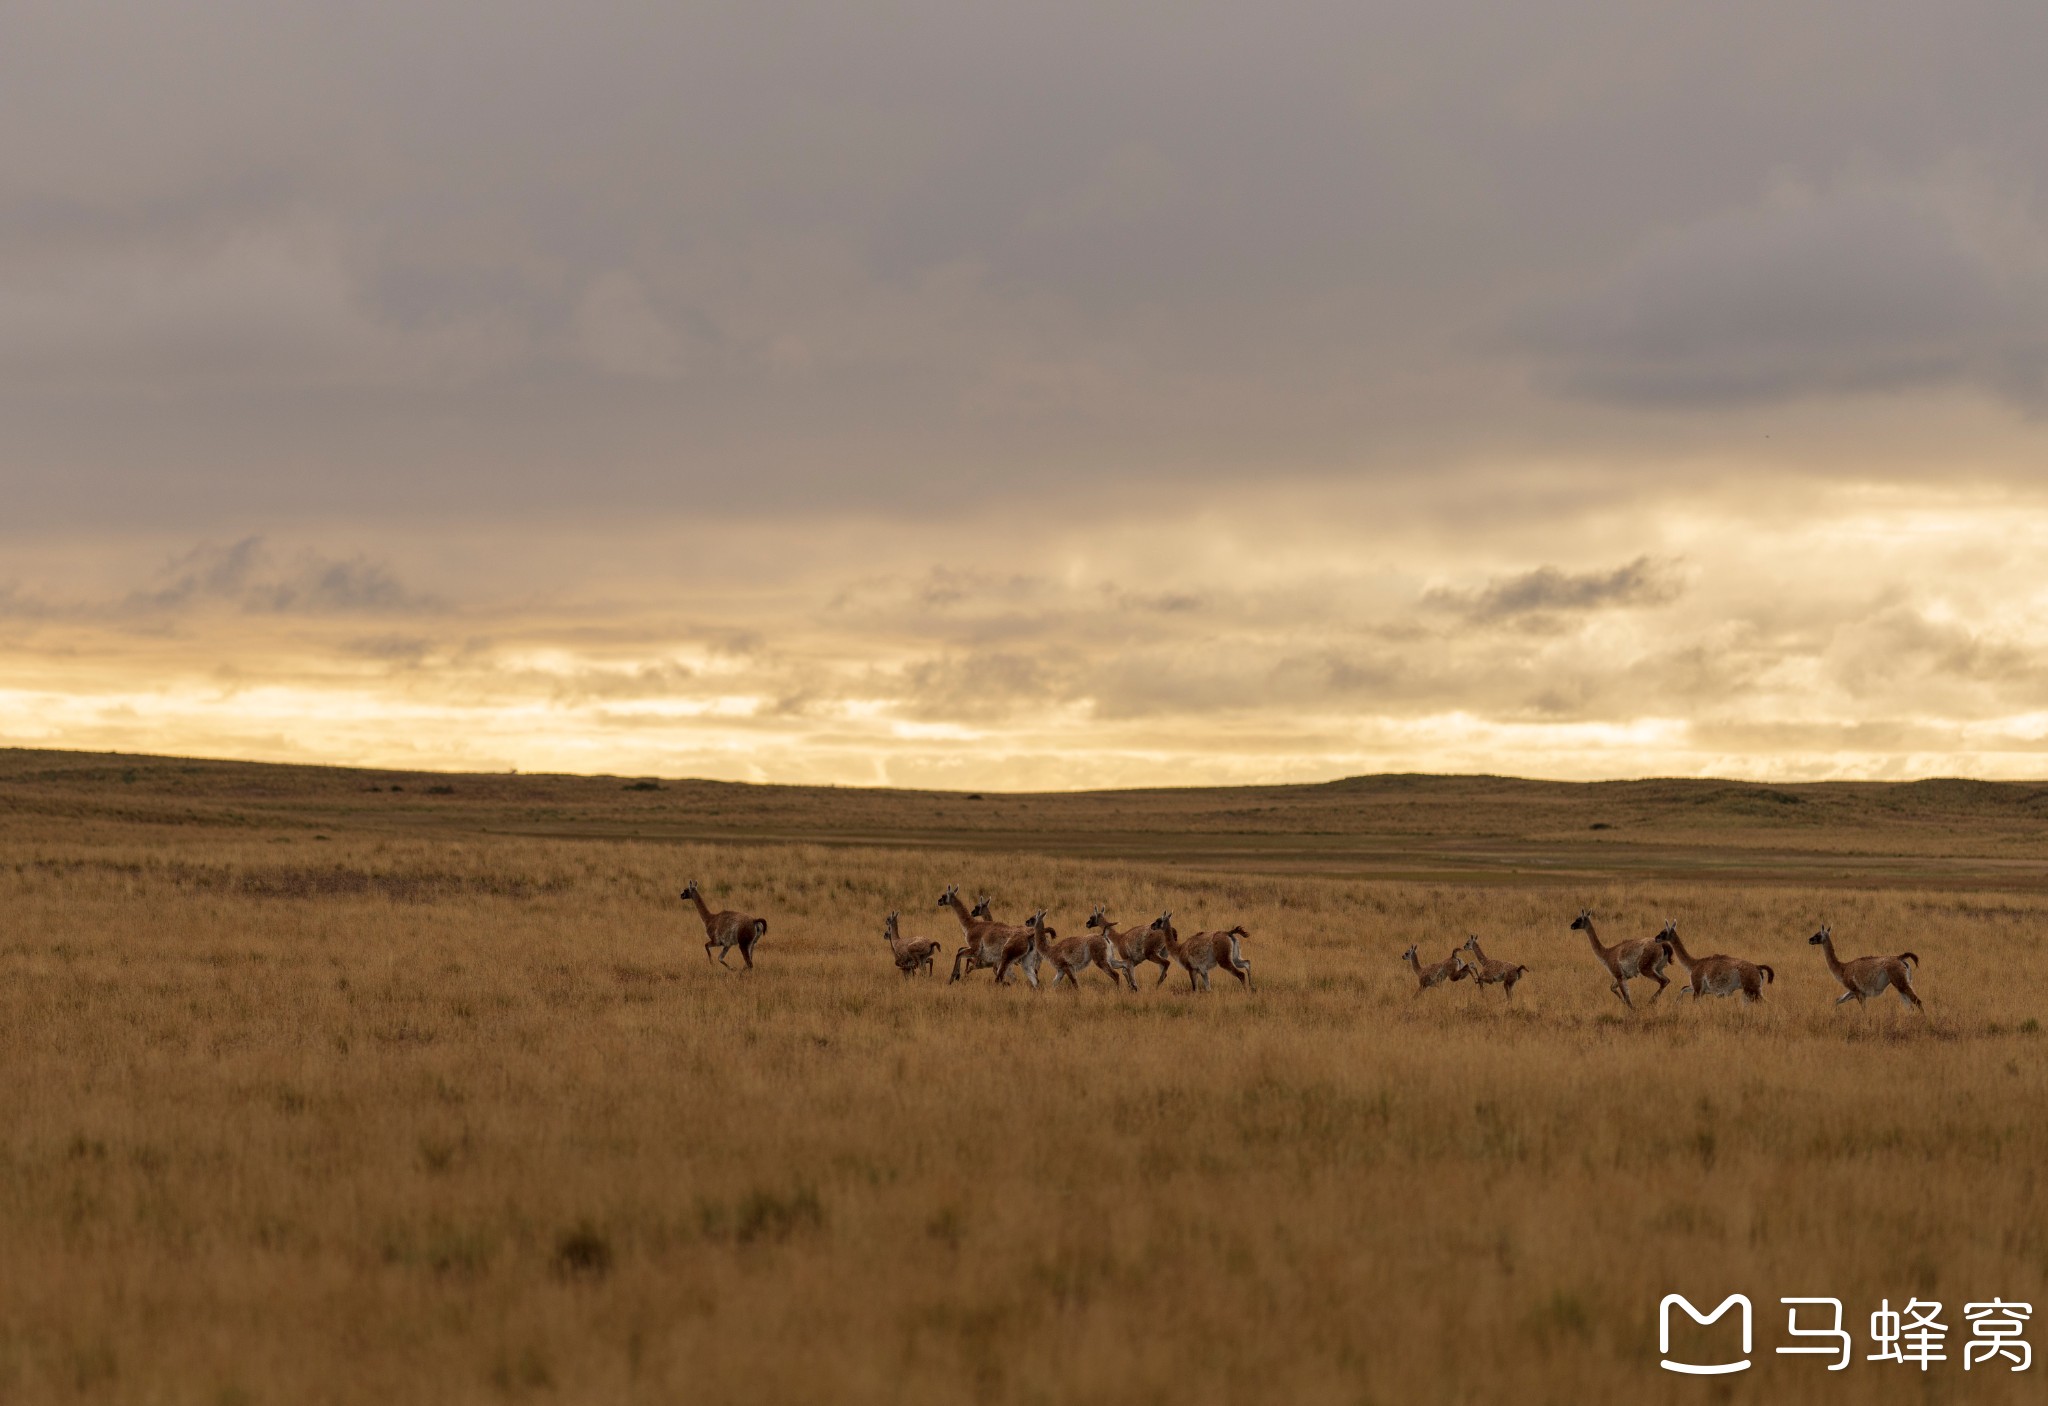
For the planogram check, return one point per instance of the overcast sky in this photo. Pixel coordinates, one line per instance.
(1018, 395)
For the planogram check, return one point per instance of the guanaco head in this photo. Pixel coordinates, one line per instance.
(889, 929)
(1100, 917)
(1409, 955)
(1163, 924)
(1470, 944)
(982, 906)
(1822, 936)
(1584, 922)
(952, 892)
(690, 891)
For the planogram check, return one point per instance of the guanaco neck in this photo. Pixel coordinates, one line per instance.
(703, 909)
(960, 912)
(1478, 956)
(1412, 960)
(1827, 950)
(1670, 938)
(1604, 953)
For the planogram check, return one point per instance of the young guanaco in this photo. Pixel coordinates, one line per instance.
(1487, 972)
(912, 954)
(1451, 968)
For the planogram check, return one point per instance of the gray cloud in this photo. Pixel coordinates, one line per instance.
(246, 575)
(1549, 590)
(749, 260)
(1865, 288)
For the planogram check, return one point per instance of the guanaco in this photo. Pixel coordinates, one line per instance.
(726, 930)
(1488, 972)
(1073, 955)
(1718, 975)
(1451, 968)
(1865, 977)
(1134, 945)
(1641, 957)
(984, 937)
(1019, 949)
(912, 954)
(1203, 952)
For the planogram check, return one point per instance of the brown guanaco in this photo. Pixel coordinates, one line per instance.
(1134, 945)
(1070, 956)
(1717, 975)
(1865, 977)
(1644, 956)
(912, 954)
(727, 930)
(1451, 968)
(1488, 972)
(1203, 952)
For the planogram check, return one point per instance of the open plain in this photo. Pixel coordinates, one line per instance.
(331, 1085)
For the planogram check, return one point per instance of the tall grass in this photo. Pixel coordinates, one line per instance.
(469, 1118)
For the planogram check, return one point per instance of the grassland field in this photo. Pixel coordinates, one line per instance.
(338, 1086)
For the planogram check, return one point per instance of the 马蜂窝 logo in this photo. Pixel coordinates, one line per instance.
(1912, 1336)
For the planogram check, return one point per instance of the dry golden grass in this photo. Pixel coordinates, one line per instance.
(447, 1116)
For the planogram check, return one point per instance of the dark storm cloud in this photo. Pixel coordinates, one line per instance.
(511, 259)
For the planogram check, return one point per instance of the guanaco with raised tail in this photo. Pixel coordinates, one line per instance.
(1488, 972)
(1451, 968)
(1865, 977)
(1644, 956)
(912, 954)
(727, 930)
(1134, 945)
(1203, 952)
(1717, 975)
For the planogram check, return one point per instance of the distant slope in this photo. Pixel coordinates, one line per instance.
(1943, 831)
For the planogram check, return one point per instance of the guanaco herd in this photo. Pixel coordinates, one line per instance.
(1717, 975)
(1033, 945)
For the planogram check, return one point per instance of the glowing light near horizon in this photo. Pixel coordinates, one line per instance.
(1219, 661)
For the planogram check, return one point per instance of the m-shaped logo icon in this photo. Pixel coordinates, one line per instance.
(1703, 1319)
